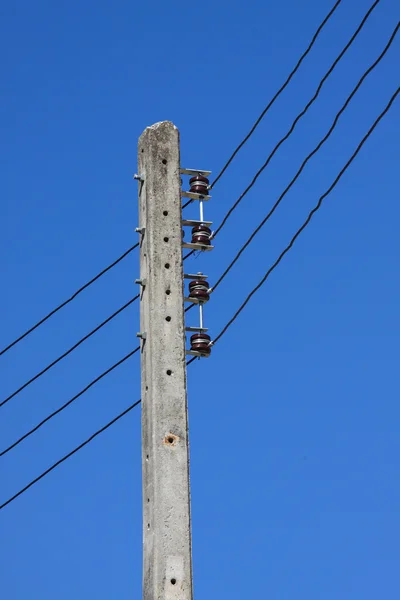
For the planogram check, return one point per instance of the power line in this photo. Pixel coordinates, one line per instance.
(60, 306)
(57, 360)
(74, 295)
(307, 221)
(64, 458)
(299, 116)
(316, 149)
(278, 93)
(216, 339)
(70, 401)
(187, 204)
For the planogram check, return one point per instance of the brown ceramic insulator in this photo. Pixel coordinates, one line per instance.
(199, 185)
(198, 289)
(199, 284)
(201, 235)
(201, 239)
(200, 295)
(200, 342)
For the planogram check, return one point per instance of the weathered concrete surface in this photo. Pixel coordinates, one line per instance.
(166, 497)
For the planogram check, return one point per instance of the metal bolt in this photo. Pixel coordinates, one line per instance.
(140, 230)
(138, 177)
(141, 334)
(141, 282)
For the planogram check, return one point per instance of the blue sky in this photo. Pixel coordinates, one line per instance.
(294, 420)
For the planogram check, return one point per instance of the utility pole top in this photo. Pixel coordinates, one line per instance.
(162, 130)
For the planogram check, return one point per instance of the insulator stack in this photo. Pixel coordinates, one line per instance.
(199, 185)
(201, 234)
(198, 290)
(201, 240)
(200, 342)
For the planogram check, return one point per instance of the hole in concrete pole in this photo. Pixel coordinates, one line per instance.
(165, 213)
(169, 372)
(167, 265)
(171, 439)
(166, 239)
(168, 319)
(173, 581)
(168, 292)
(164, 162)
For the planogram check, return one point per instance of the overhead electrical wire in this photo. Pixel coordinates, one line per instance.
(235, 316)
(312, 153)
(187, 204)
(278, 93)
(70, 401)
(74, 451)
(70, 350)
(74, 295)
(86, 285)
(293, 126)
(299, 116)
(57, 360)
(230, 322)
(307, 221)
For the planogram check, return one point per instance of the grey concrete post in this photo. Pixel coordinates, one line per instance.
(167, 562)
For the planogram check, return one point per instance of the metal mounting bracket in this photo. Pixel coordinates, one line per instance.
(193, 223)
(195, 276)
(196, 353)
(195, 172)
(203, 247)
(194, 196)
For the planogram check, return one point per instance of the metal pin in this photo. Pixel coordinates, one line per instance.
(201, 205)
(138, 177)
(140, 230)
(141, 282)
(141, 334)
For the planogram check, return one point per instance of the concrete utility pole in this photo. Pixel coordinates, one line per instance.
(167, 561)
